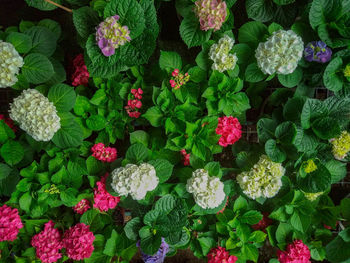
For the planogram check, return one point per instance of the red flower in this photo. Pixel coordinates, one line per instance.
(297, 252)
(263, 223)
(230, 130)
(186, 157)
(9, 122)
(81, 74)
(220, 255)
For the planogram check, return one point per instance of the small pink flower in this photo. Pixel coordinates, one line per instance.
(81, 74)
(82, 206)
(78, 242)
(175, 72)
(9, 122)
(10, 223)
(230, 130)
(263, 223)
(134, 114)
(220, 255)
(104, 154)
(134, 104)
(48, 243)
(137, 93)
(297, 252)
(103, 200)
(186, 157)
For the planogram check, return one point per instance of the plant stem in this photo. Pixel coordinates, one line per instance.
(60, 6)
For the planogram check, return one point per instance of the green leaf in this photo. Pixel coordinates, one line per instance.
(85, 20)
(93, 165)
(131, 15)
(137, 153)
(53, 26)
(275, 153)
(96, 122)
(37, 68)
(316, 181)
(291, 80)
(42, 5)
(68, 197)
(25, 201)
(326, 128)
(243, 52)
(240, 204)
(4, 171)
(305, 140)
(206, 244)
(154, 115)
(251, 217)
(337, 170)
(257, 236)
(43, 40)
(197, 74)
(213, 169)
(70, 134)
(12, 152)
(284, 2)
(282, 233)
(139, 136)
(5, 132)
(110, 248)
(253, 73)
(338, 250)
(62, 96)
(259, 10)
(300, 221)
(81, 105)
(165, 204)
(132, 228)
(163, 168)
(286, 132)
(274, 27)
(331, 79)
(252, 33)
(191, 33)
(21, 42)
(250, 252)
(169, 61)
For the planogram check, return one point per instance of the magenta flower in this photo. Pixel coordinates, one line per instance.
(185, 157)
(78, 242)
(211, 13)
(10, 223)
(135, 103)
(104, 200)
(220, 255)
(48, 243)
(297, 252)
(82, 206)
(81, 74)
(230, 130)
(103, 153)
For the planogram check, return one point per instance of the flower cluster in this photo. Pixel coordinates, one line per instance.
(35, 114)
(346, 72)
(103, 153)
(102, 199)
(317, 51)
(341, 145)
(52, 190)
(220, 255)
(134, 180)
(48, 243)
(263, 179)
(309, 166)
(280, 53)
(110, 35)
(82, 206)
(10, 223)
(211, 13)
(178, 79)
(159, 256)
(312, 196)
(78, 242)
(295, 252)
(10, 63)
(263, 223)
(135, 103)
(220, 54)
(80, 75)
(208, 191)
(8, 122)
(185, 157)
(230, 130)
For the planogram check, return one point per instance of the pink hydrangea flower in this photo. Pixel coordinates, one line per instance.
(134, 103)
(9, 122)
(48, 243)
(81, 74)
(78, 242)
(297, 252)
(211, 13)
(185, 157)
(103, 200)
(103, 153)
(220, 255)
(10, 223)
(230, 130)
(263, 223)
(82, 206)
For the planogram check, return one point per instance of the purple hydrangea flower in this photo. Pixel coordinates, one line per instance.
(110, 35)
(157, 257)
(317, 51)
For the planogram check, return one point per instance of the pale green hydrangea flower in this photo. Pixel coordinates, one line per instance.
(10, 64)
(263, 179)
(220, 54)
(341, 145)
(35, 114)
(280, 53)
(312, 196)
(208, 191)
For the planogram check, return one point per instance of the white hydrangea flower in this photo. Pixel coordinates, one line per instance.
(263, 180)
(10, 63)
(208, 191)
(220, 54)
(35, 114)
(134, 180)
(280, 53)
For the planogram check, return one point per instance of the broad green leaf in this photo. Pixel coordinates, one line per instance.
(253, 73)
(85, 20)
(291, 80)
(12, 152)
(43, 40)
(62, 96)
(286, 132)
(274, 151)
(260, 10)
(96, 122)
(21, 42)
(37, 68)
(169, 61)
(191, 33)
